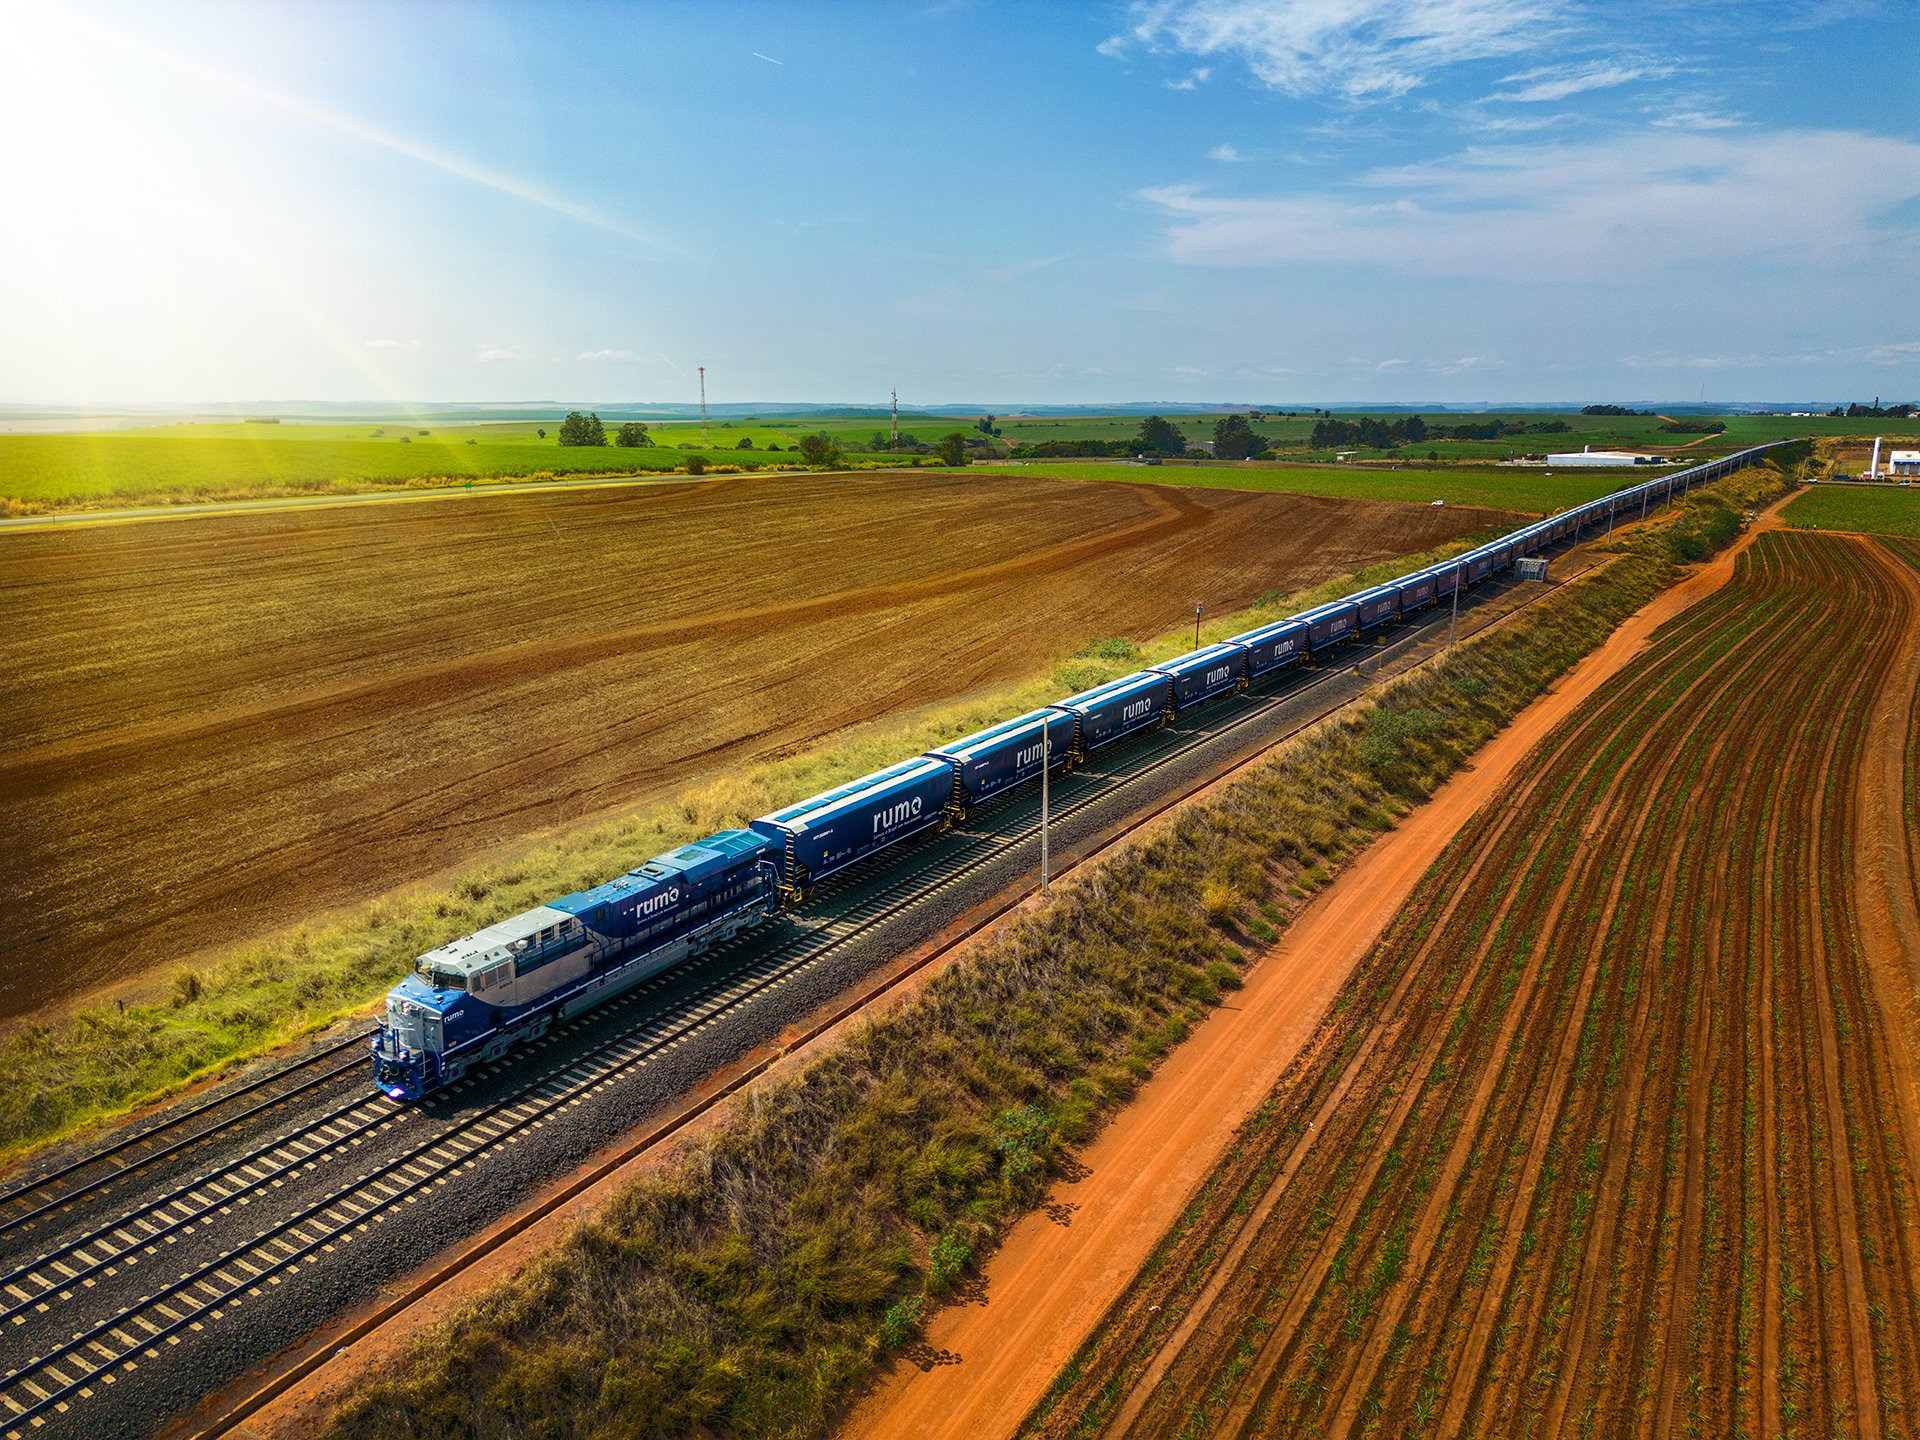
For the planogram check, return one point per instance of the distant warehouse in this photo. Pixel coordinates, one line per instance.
(1591, 456)
(1904, 462)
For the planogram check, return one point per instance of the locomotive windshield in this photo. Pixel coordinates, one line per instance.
(440, 977)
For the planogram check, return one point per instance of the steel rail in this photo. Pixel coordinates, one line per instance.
(41, 1182)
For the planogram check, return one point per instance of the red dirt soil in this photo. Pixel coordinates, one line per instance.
(1613, 1132)
(217, 726)
(1061, 1268)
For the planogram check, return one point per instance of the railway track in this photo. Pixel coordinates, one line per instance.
(104, 1347)
(31, 1201)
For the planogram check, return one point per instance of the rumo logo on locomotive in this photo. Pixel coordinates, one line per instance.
(473, 999)
(665, 900)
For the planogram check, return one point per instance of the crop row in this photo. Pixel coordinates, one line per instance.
(1600, 1138)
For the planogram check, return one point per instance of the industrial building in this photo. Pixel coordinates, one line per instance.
(1591, 456)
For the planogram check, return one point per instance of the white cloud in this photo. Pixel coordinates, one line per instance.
(1226, 154)
(1362, 49)
(1904, 354)
(393, 344)
(493, 354)
(1696, 120)
(607, 355)
(1617, 208)
(1194, 80)
(1558, 82)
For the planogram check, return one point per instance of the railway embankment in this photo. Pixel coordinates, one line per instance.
(752, 1285)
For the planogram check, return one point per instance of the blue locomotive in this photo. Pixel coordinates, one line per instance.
(475, 998)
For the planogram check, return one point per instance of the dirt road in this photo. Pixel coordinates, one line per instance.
(216, 726)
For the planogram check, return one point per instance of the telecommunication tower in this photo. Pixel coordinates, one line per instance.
(703, 404)
(896, 416)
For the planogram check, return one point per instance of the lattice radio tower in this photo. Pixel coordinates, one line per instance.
(896, 417)
(703, 404)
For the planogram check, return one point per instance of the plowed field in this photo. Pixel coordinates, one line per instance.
(215, 726)
(1615, 1132)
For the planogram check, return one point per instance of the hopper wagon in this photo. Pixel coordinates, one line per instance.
(1202, 674)
(1006, 755)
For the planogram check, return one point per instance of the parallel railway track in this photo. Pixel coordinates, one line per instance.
(107, 1346)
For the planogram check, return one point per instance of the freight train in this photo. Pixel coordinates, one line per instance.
(472, 1000)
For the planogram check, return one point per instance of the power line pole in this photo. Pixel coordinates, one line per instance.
(896, 417)
(1453, 622)
(1046, 764)
(703, 405)
(1197, 609)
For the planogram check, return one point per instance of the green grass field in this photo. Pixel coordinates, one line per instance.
(129, 467)
(1877, 510)
(245, 459)
(1532, 491)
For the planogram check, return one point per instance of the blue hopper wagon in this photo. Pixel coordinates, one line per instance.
(1377, 606)
(1273, 646)
(1202, 674)
(1415, 590)
(1006, 755)
(830, 831)
(1119, 707)
(1329, 624)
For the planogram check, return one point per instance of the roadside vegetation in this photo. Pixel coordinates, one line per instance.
(1867, 509)
(748, 1287)
(105, 1058)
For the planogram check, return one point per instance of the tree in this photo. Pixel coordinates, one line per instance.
(578, 429)
(633, 435)
(1160, 437)
(696, 463)
(986, 426)
(744, 443)
(1234, 438)
(541, 433)
(953, 448)
(821, 449)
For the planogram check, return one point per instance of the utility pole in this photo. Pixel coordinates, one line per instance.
(1453, 621)
(896, 417)
(703, 405)
(1046, 764)
(1197, 609)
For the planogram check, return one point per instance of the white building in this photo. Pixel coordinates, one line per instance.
(1904, 462)
(1591, 456)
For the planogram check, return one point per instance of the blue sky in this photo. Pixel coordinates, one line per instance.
(1260, 200)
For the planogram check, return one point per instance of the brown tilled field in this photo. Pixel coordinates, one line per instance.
(1615, 1132)
(216, 726)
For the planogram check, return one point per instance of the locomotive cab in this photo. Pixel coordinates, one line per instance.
(461, 991)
